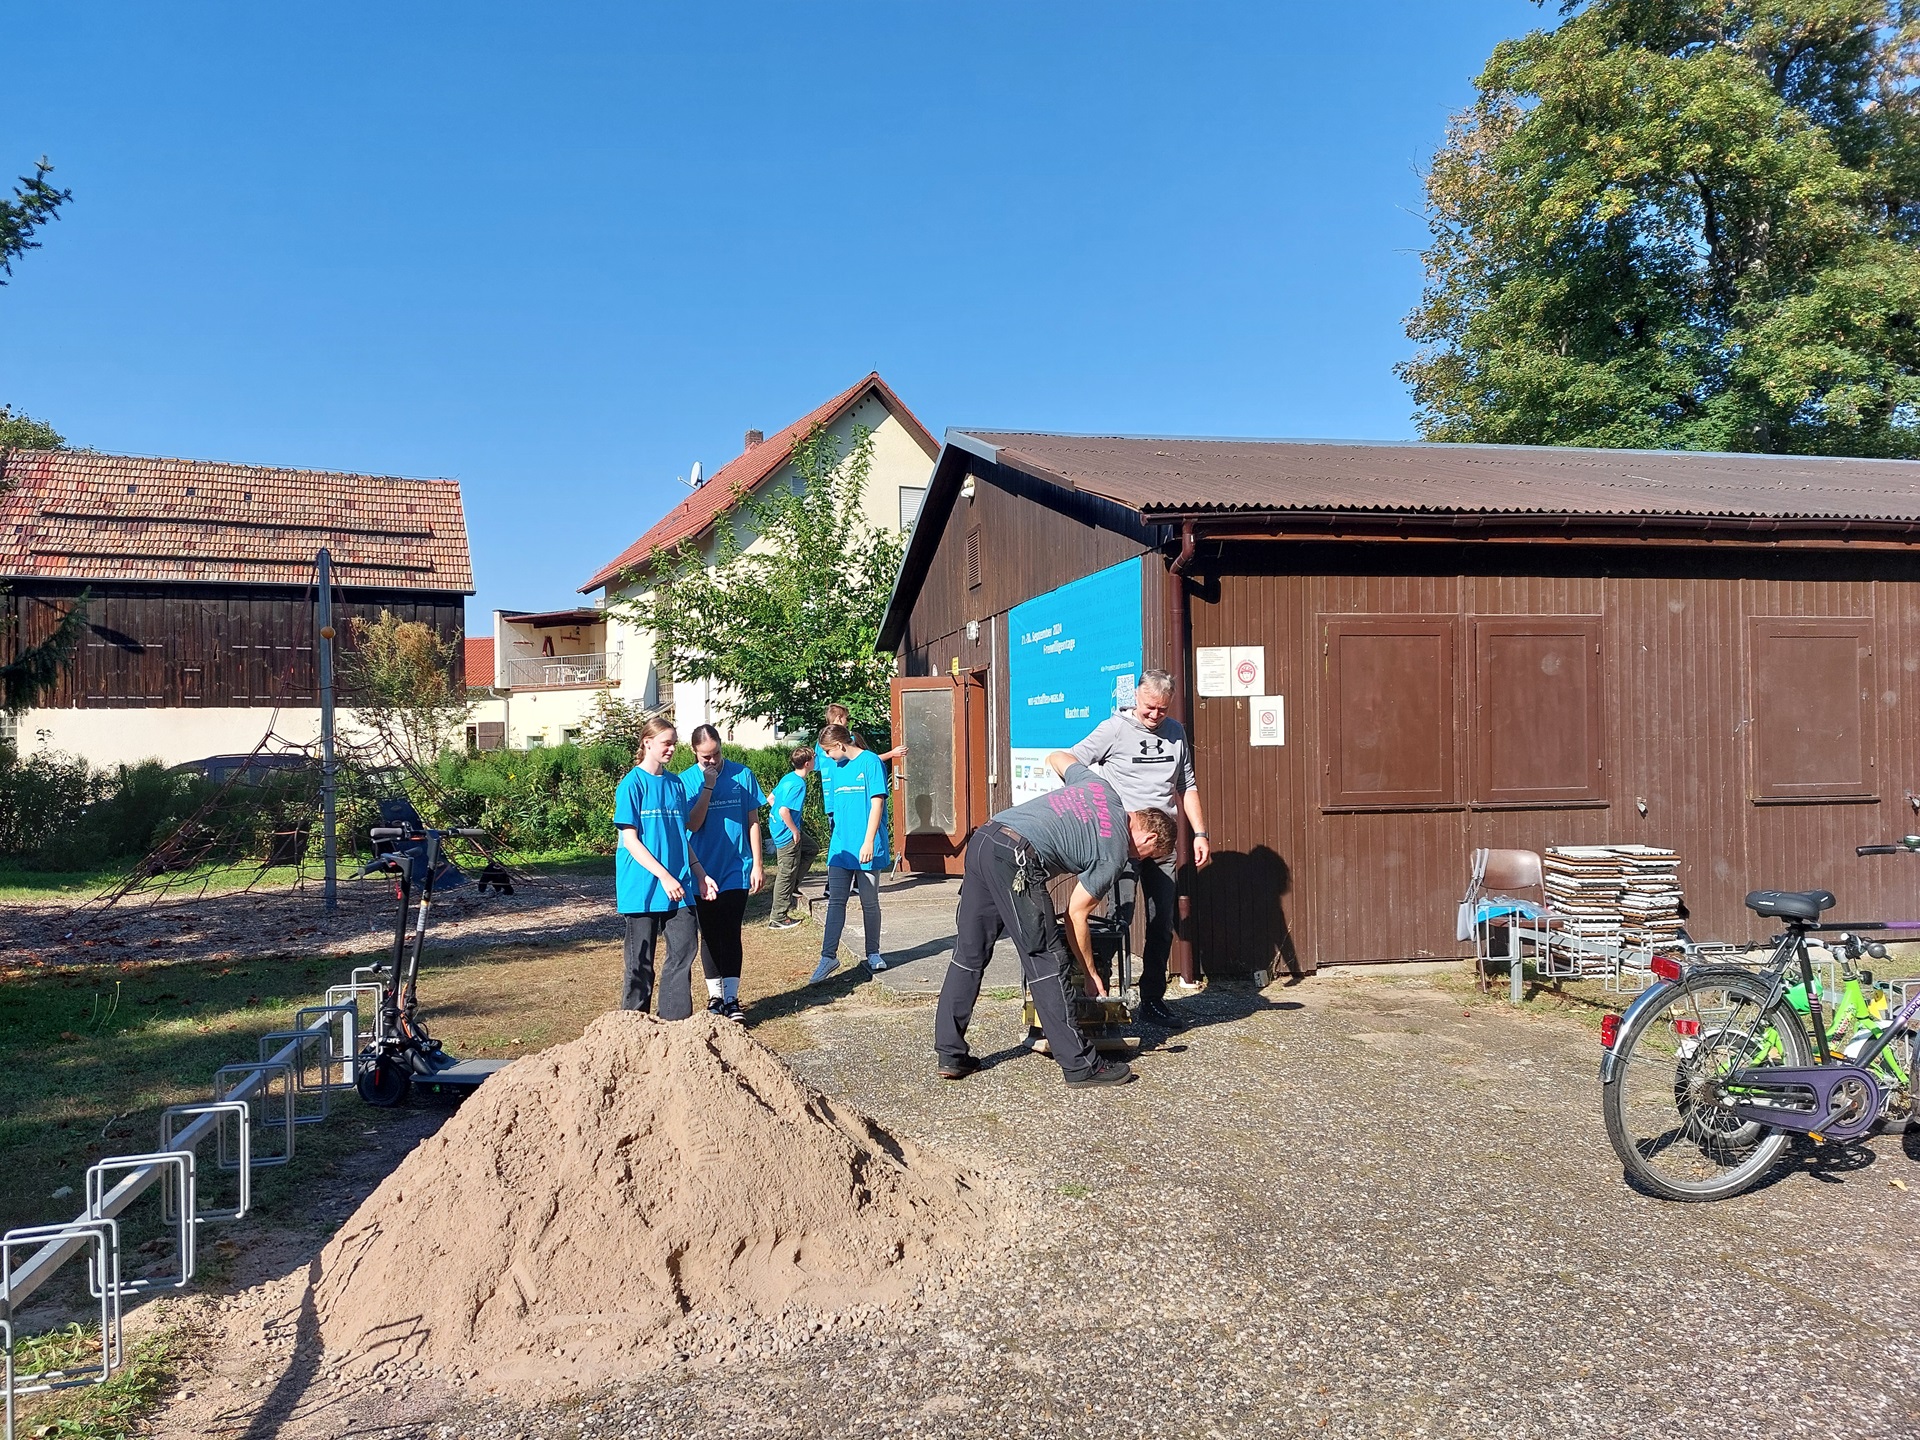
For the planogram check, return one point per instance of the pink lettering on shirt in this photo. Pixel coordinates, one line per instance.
(1086, 803)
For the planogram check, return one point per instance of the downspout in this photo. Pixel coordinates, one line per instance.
(1181, 613)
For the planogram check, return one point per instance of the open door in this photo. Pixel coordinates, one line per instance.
(940, 784)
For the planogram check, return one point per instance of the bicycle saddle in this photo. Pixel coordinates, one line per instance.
(1790, 904)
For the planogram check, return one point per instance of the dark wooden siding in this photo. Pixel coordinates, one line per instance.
(1299, 879)
(206, 645)
(1025, 548)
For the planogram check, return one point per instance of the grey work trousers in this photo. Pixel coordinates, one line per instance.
(989, 908)
(795, 859)
(682, 933)
(1160, 894)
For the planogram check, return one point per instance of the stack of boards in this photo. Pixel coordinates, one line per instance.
(1600, 892)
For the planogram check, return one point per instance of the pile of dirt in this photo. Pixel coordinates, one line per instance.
(650, 1192)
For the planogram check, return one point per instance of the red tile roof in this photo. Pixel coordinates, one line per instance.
(75, 515)
(479, 657)
(739, 477)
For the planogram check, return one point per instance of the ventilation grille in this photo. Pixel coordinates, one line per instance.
(973, 558)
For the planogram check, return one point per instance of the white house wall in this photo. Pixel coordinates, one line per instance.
(898, 461)
(172, 736)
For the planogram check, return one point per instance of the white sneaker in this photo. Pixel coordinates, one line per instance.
(828, 964)
(876, 964)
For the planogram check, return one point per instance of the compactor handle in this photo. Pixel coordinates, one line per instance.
(386, 832)
(471, 834)
(1876, 849)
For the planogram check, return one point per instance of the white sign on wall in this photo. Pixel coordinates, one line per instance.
(1032, 776)
(1213, 670)
(1249, 670)
(1267, 716)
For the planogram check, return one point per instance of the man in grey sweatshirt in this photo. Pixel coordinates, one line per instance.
(1145, 757)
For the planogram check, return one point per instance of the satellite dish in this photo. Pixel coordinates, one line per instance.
(698, 477)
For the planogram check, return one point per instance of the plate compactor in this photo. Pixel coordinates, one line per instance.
(1104, 1021)
(402, 1054)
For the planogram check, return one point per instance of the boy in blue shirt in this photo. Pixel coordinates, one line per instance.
(790, 842)
(858, 850)
(723, 817)
(656, 877)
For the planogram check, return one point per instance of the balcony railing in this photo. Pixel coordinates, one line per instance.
(546, 672)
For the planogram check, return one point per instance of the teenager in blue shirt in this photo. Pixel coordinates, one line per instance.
(723, 817)
(857, 851)
(656, 877)
(785, 807)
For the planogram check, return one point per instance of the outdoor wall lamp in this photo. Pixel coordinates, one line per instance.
(966, 488)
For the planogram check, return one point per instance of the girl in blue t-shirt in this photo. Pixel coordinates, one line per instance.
(656, 876)
(723, 816)
(857, 851)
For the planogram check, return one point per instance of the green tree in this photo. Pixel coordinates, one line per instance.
(399, 677)
(1683, 224)
(788, 625)
(34, 671)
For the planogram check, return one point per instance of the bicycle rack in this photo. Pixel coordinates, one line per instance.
(309, 1074)
(179, 1201)
(100, 1243)
(350, 994)
(240, 1157)
(229, 1078)
(343, 1040)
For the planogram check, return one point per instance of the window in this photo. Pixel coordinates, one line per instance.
(1810, 684)
(1389, 711)
(1536, 712)
(910, 498)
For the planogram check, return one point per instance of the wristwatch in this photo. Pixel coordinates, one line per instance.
(1199, 834)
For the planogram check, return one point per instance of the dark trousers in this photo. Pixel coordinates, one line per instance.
(682, 934)
(795, 859)
(1160, 895)
(990, 908)
(720, 920)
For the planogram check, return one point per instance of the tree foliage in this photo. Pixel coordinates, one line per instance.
(788, 625)
(23, 432)
(34, 203)
(399, 676)
(1682, 224)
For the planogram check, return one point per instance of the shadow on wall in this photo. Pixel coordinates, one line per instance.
(1242, 922)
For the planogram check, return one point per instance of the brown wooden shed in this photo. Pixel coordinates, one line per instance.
(1469, 646)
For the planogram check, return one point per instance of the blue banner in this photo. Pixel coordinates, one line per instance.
(1073, 656)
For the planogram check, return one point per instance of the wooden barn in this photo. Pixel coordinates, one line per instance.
(1391, 654)
(201, 577)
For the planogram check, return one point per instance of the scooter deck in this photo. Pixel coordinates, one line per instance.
(459, 1078)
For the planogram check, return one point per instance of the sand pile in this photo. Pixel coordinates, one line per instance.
(646, 1193)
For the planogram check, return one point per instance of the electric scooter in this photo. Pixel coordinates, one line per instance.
(404, 1052)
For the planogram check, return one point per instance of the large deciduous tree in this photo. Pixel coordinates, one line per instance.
(1682, 224)
(786, 617)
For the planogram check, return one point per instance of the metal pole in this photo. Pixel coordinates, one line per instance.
(329, 849)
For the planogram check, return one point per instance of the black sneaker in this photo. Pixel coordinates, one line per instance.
(731, 1009)
(1107, 1072)
(1158, 1012)
(958, 1069)
(717, 1008)
(785, 922)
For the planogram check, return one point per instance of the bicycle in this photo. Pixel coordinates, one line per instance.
(1710, 1073)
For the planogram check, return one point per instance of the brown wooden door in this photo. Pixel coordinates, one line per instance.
(940, 784)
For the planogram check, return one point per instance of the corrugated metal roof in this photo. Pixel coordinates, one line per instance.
(1163, 477)
(77, 515)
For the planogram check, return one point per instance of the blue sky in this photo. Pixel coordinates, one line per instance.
(560, 252)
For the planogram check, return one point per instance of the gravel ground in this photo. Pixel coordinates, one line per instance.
(1357, 1206)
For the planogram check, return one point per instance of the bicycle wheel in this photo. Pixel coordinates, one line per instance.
(1665, 1106)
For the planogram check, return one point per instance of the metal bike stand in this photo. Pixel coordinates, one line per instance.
(312, 1060)
(99, 1241)
(229, 1079)
(343, 1038)
(350, 994)
(179, 1199)
(239, 1157)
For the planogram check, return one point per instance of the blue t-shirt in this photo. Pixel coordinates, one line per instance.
(655, 808)
(854, 785)
(721, 844)
(827, 767)
(791, 793)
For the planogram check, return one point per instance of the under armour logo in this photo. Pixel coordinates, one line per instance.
(1158, 746)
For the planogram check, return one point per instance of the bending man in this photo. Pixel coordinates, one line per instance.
(1145, 756)
(1077, 830)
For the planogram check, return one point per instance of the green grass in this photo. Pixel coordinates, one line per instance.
(114, 1410)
